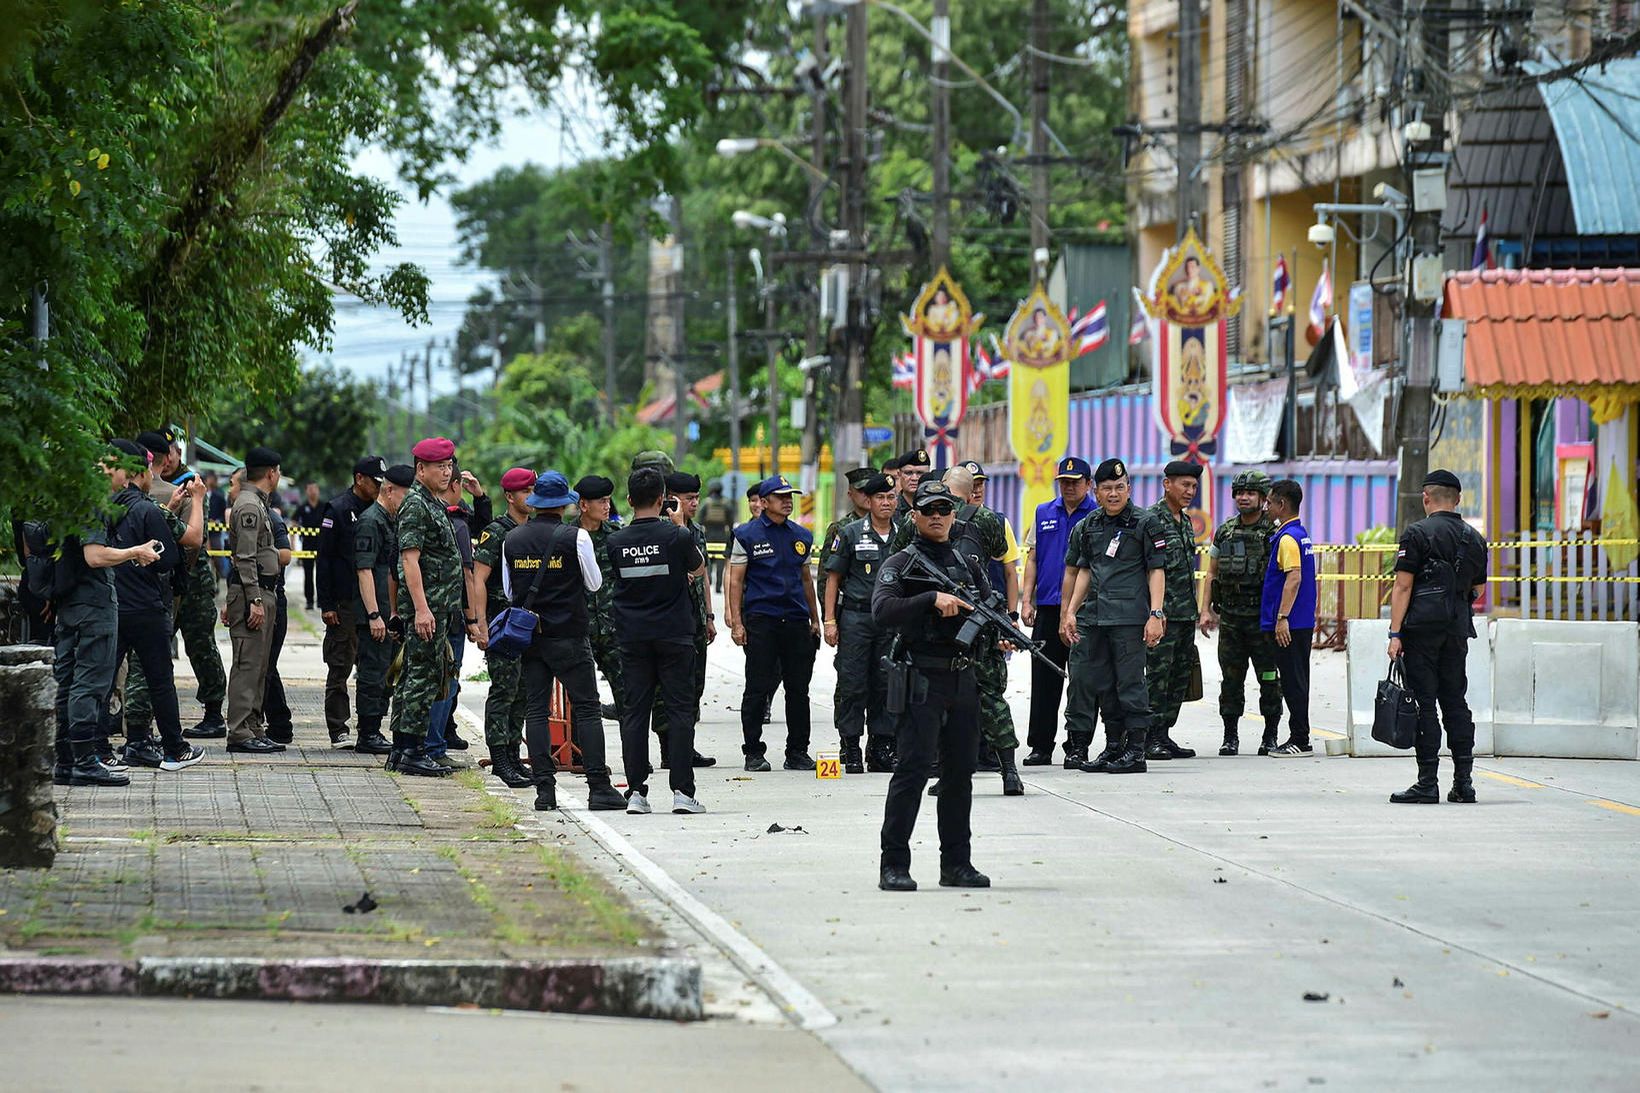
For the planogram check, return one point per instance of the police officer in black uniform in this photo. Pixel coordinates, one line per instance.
(275, 704)
(337, 587)
(654, 562)
(1440, 568)
(941, 716)
(1114, 615)
(551, 566)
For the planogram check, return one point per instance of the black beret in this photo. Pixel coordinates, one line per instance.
(157, 441)
(680, 482)
(1443, 478)
(595, 487)
(261, 457)
(892, 463)
(859, 475)
(917, 457)
(877, 483)
(401, 474)
(1182, 468)
(131, 448)
(1110, 469)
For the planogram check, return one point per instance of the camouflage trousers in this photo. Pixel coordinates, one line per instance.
(196, 618)
(504, 707)
(996, 720)
(1240, 641)
(1168, 668)
(606, 654)
(423, 680)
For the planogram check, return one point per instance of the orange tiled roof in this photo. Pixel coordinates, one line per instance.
(1539, 326)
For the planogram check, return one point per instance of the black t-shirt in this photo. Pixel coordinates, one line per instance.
(651, 560)
(143, 588)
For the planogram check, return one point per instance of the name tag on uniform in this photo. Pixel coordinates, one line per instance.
(1047, 525)
(763, 550)
(1110, 547)
(866, 548)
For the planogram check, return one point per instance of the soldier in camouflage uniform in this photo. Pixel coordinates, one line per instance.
(431, 577)
(504, 705)
(978, 533)
(684, 489)
(1172, 660)
(594, 491)
(195, 608)
(1234, 584)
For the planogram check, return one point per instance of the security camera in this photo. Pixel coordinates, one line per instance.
(1322, 235)
(1389, 194)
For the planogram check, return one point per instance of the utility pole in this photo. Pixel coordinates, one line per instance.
(679, 352)
(941, 69)
(1427, 43)
(427, 374)
(606, 267)
(409, 361)
(1192, 184)
(772, 349)
(848, 439)
(734, 374)
(387, 419)
(1039, 138)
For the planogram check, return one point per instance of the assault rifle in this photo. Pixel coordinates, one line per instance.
(989, 610)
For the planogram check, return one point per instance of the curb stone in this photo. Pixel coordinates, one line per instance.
(666, 988)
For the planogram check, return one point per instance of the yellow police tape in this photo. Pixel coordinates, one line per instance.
(1510, 544)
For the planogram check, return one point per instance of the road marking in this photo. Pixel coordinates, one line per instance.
(1510, 780)
(798, 1003)
(1614, 806)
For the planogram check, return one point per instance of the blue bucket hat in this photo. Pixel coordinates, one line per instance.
(551, 492)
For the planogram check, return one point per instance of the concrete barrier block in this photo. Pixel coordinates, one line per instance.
(1367, 664)
(1568, 690)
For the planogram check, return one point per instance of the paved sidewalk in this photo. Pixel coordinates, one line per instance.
(261, 856)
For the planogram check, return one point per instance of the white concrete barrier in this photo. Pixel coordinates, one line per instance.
(1568, 690)
(1367, 664)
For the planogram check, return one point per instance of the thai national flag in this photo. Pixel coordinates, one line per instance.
(1321, 302)
(905, 371)
(1482, 258)
(1140, 330)
(1280, 285)
(1091, 331)
(996, 361)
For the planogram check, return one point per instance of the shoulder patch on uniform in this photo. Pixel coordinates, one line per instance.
(327, 522)
(366, 541)
(247, 520)
(801, 547)
(1161, 542)
(483, 538)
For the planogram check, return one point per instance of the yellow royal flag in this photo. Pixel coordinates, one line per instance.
(1039, 349)
(1619, 520)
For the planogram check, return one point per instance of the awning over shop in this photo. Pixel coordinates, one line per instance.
(1596, 115)
(1541, 333)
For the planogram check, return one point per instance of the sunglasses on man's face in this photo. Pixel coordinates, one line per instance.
(938, 508)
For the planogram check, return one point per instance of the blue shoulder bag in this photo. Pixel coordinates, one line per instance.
(514, 629)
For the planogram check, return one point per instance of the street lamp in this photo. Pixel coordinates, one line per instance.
(730, 147)
(776, 227)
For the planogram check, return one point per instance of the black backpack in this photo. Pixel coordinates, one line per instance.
(1435, 595)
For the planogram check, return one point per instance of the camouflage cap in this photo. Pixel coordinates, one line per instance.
(1251, 480)
(654, 457)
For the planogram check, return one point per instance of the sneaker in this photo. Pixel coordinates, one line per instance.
(798, 760)
(113, 762)
(638, 805)
(685, 805)
(757, 764)
(142, 753)
(183, 760)
(341, 738)
(453, 740)
(1291, 750)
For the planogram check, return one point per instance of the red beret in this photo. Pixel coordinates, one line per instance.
(435, 449)
(519, 478)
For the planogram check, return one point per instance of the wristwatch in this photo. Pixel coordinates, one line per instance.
(711, 618)
(471, 621)
(1283, 617)
(1014, 615)
(373, 616)
(257, 602)
(1159, 615)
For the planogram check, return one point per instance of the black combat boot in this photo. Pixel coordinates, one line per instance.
(1232, 738)
(1272, 733)
(1114, 747)
(878, 759)
(987, 763)
(211, 727)
(504, 765)
(1076, 749)
(853, 761)
(601, 796)
(1427, 789)
(1156, 746)
(414, 760)
(1012, 785)
(1132, 760)
(1463, 785)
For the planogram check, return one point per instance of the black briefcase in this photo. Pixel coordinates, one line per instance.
(1395, 711)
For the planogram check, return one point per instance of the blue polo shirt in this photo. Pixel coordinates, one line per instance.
(1053, 531)
(775, 556)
